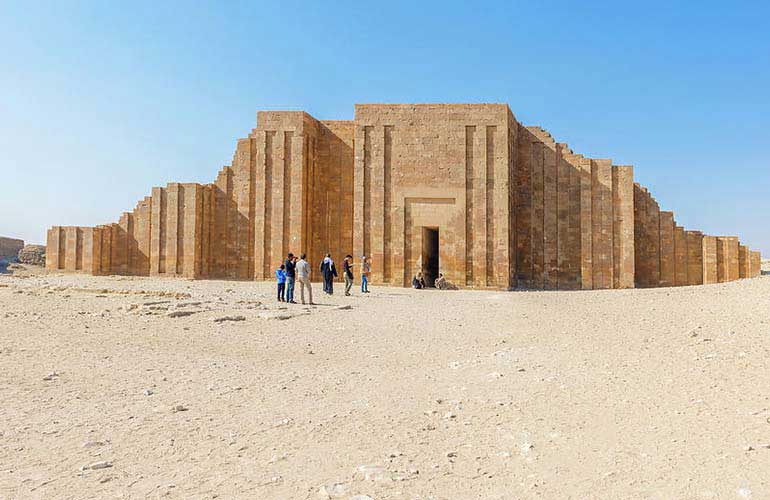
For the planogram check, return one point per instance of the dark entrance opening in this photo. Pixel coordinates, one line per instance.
(430, 260)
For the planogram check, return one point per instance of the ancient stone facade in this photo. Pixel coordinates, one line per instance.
(464, 189)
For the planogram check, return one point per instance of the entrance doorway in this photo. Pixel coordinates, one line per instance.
(430, 252)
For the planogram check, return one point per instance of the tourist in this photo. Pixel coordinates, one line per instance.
(329, 272)
(418, 282)
(280, 276)
(365, 270)
(347, 272)
(443, 284)
(291, 273)
(303, 276)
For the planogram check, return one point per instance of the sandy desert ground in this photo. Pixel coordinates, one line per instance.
(110, 389)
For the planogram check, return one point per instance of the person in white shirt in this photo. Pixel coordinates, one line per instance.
(365, 270)
(303, 276)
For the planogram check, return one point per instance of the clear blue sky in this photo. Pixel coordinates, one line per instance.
(101, 101)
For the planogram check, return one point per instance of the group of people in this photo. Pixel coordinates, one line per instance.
(441, 283)
(294, 269)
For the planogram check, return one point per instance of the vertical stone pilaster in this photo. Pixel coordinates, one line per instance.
(92, 246)
(564, 279)
(667, 251)
(499, 234)
(550, 219)
(377, 203)
(157, 231)
(523, 208)
(601, 174)
(54, 248)
(680, 256)
(728, 265)
(538, 215)
(694, 257)
(70, 248)
(710, 273)
(743, 262)
(623, 226)
(586, 224)
(359, 195)
(105, 232)
(480, 207)
(261, 196)
(173, 255)
(756, 263)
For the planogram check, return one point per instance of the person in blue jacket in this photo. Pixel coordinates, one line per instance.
(280, 276)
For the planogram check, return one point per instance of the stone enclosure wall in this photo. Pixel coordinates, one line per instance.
(510, 208)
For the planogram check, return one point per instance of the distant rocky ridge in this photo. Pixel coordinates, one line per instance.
(9, 248)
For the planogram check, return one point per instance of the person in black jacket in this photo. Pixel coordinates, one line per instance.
(347, 272)
(291, 275)
(329, 272)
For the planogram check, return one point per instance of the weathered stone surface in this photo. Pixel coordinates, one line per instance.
(755, 263)
(694, 257)
(744, 262)
(710, 269)
(680, 256)
(646, 238)
(464, 189)
(728, 258)
(32, 254)
(667, 252)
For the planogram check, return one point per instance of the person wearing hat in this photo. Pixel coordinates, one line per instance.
(365, 270)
